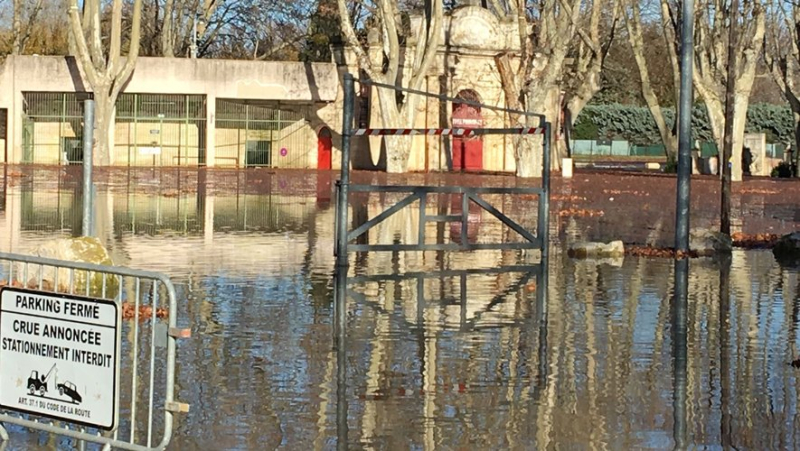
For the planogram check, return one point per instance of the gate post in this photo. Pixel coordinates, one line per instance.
(344, 180)
(88, 162)
(543, 226)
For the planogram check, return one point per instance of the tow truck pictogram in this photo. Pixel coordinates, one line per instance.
(38, 383)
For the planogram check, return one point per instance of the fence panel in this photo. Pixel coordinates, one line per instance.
(249, 135)
(52, 127)
(146, 346)
(160, 130)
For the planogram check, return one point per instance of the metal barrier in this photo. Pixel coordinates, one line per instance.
(468, 195)
(343, 236)
(145, 387)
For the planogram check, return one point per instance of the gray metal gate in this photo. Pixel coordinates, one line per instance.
(468, 195)
(148, 339)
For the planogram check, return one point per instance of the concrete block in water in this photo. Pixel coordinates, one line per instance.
(596, 250)
(80, 249)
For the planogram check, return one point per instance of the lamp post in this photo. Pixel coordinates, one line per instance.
(685, 128)
(193, 47)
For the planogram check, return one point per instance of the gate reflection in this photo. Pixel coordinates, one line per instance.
(347, 295)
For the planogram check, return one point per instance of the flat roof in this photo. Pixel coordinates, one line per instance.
(232, 79)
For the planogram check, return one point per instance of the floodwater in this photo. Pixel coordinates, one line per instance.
(631, 353)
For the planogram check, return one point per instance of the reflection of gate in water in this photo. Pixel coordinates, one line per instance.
(473, 308)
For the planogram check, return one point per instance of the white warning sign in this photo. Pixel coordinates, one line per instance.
(58, 356)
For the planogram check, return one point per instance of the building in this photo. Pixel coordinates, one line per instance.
(174, 112)
(223, 113)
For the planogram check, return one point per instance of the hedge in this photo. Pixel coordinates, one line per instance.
(636, 125)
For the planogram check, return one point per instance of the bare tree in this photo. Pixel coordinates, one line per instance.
(105, 73)
(181, 17)
(532, 78)
(385, 67)
(585, 78)
(29, 12)
(711, 62)
(633, 16)
(782, 55)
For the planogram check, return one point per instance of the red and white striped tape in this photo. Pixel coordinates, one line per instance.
(447, 131)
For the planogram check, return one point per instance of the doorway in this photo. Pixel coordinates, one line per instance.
(467, 150)
(324, 148)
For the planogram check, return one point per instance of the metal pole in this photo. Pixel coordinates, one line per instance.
(543, 225)
(88, 132)
(727, 145)
(344, 181)
(685, 128)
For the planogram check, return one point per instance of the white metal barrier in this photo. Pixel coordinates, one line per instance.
(112, 334)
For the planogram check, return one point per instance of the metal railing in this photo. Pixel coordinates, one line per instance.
(468, 195)
(343, 236)
(148, 333)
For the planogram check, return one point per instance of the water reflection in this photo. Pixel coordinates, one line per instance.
(383, 293)
(340, 329)
(679, 351)
(619, 354)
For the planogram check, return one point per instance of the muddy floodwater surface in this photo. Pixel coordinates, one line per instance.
(442, 350)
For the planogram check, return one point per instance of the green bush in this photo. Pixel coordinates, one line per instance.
(636, 125)
(671, 167)
(782, 170)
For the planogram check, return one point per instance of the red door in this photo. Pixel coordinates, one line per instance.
(473, 154)
(467, 151)
(473, 220)
(458, 153)
(324, 146)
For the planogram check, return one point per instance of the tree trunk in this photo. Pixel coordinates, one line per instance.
(716, 118)
(796, 153)
(530, 148)
(398, 150)
(103, 109)
(167, 40)
(528, 153)
(741, 102)
(17, 28)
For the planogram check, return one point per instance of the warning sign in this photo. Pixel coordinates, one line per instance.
(58, 356)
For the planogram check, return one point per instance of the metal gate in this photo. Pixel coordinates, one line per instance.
(344, 237)
(147, 341)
